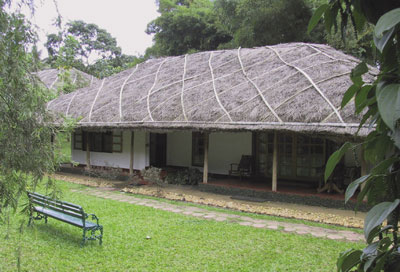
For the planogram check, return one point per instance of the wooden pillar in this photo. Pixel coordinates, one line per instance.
(87, 150)
(205, 165)
(132, 153)
(275, 163)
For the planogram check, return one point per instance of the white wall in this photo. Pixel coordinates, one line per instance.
(141, 153)
(122, 159)
(224, 149)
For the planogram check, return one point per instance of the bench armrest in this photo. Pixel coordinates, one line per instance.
(94, 217)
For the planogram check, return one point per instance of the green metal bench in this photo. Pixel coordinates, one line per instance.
(69, 213)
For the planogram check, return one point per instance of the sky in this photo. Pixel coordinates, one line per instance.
(125, 20)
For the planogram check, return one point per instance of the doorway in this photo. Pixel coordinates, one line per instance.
(158, 149)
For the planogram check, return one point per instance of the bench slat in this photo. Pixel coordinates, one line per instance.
(58, 207)
(64, 217)
(79, 216)
(37, 195)
(65, 205)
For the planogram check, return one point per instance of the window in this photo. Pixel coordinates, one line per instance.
(107, 142)
(197, 149)
(299, 156)
(310, 156)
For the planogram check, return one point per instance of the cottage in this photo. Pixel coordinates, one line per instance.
(278, 104)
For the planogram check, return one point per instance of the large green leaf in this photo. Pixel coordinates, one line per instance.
(361, 99)
(359, 70)
(383, 166)
(348, 260)
(387, 21)
(351, 189)
(349, 94)
(377, 215)
(316, 17)
(389, 103)
(381, 42)
(335, 158)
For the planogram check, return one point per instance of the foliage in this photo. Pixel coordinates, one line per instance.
(259, 22)
(201, 25)
(379, 104)
(88, 48)
(183, 27)
(177, 242)
(26, 150)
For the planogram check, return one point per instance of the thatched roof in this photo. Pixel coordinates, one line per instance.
(294, 87)
(54, 79)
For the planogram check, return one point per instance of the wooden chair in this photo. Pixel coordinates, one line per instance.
(243, 168)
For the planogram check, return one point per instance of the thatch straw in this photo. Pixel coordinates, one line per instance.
(290, 87)
(52, 80)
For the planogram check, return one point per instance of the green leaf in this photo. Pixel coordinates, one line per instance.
(348, 260)
(377, 215)
(351, 189)
(373, 233)
(371, 248)
(383, 166)
(380, 43)
(387, 21)
(371, 112)
(361, 98)
(396, 137)
(335, 158)
(369, 262)
(364, 191)
(316, 17)
(389, 103)
(348, 95)
(328, 20)
(359, 70)
(381, 261)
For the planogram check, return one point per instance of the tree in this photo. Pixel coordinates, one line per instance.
(261, 22)
(185, 26)
(88, 48)
(379, 104)
(26, 151)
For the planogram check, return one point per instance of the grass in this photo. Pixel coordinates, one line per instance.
(178, 243)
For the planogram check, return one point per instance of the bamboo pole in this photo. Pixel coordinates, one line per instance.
(87, 150)
(205, 165)
(275, 163)
(132, 153)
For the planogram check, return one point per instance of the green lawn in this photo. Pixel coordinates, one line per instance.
(178, 243)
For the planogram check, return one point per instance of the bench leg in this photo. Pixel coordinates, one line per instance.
(83, 237)
(101, 236)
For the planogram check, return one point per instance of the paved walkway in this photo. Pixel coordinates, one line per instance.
(230, 218)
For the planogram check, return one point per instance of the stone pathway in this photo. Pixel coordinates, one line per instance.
(230, 218)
